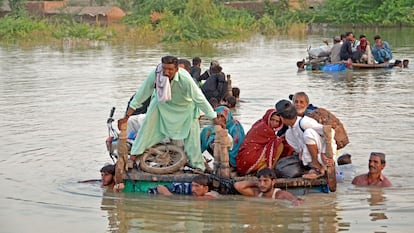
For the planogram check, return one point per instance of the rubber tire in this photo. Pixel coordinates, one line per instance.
(178, 162)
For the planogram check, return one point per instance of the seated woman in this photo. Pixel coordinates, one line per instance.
(235, 130)
(364, 47)
(262, 147)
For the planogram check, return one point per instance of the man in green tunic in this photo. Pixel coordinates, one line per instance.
(175, 116)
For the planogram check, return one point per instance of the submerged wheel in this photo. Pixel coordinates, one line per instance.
(163, 159)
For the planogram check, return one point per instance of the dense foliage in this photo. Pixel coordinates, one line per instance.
(364, 12)
(200, 21)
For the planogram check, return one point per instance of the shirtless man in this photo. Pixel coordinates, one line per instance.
(265, 187)
(107, 176)
(374, 177)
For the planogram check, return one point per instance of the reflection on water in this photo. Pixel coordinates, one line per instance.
(55, 104)
(132, 213)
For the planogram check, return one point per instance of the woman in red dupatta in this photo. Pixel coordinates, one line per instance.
(262, 147)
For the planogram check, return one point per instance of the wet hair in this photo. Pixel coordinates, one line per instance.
(377, 37)
(201, 180)
(405, 63)
(380, 155)
(231, 101)
(235, 91)
(299, 64)
(301, 93)
(344, 159)
(170, 60)
(267, 173)
(186, 63)
(196, 61)
(397, 62)
(110, 169)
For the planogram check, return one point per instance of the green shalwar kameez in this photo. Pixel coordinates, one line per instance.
(176, 119)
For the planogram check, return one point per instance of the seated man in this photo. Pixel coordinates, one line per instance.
(185, 64)
(200, 188)
(195, 70)
(265, 187)
(304, 135)
(215, 85)
(374, 177)
(381, 50)
(302, 105)
(107, 176)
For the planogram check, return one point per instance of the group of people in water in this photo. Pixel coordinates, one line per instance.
(174, 111)
(348, 49)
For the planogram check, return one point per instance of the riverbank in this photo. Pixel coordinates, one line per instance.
(194, 22)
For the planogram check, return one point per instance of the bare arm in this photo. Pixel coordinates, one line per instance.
(288, 196)
(164, 190)
(247, 188)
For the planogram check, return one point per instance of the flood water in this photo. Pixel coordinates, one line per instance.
(55, 102)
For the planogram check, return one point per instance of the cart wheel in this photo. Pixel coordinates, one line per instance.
(163, 159)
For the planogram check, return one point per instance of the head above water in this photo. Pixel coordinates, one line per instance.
(235, 92)
(200, 185)
(380, 155)
(108, 169)
(344, 159)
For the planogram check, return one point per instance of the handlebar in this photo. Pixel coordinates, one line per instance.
(111, 114)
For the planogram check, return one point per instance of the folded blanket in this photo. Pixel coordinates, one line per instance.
(162, 84)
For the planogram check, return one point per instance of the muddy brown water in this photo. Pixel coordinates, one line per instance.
(54, 105)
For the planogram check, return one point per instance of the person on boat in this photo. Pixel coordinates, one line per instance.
(107, 176)
(200, 188)
(301, 102)
(173, 112)
(305, 135)
(195, 70)
(235, 130)
(336, 50)
(374, 177)
(216, 84)
(262, 147)
(347, 51)
(355, 43)
(381, 50)
(365, 48)
(185, 64)
(265, 187)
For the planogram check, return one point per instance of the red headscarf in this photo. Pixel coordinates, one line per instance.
(261, 141)
(363, 44)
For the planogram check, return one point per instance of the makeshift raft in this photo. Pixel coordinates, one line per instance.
(136, 180)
